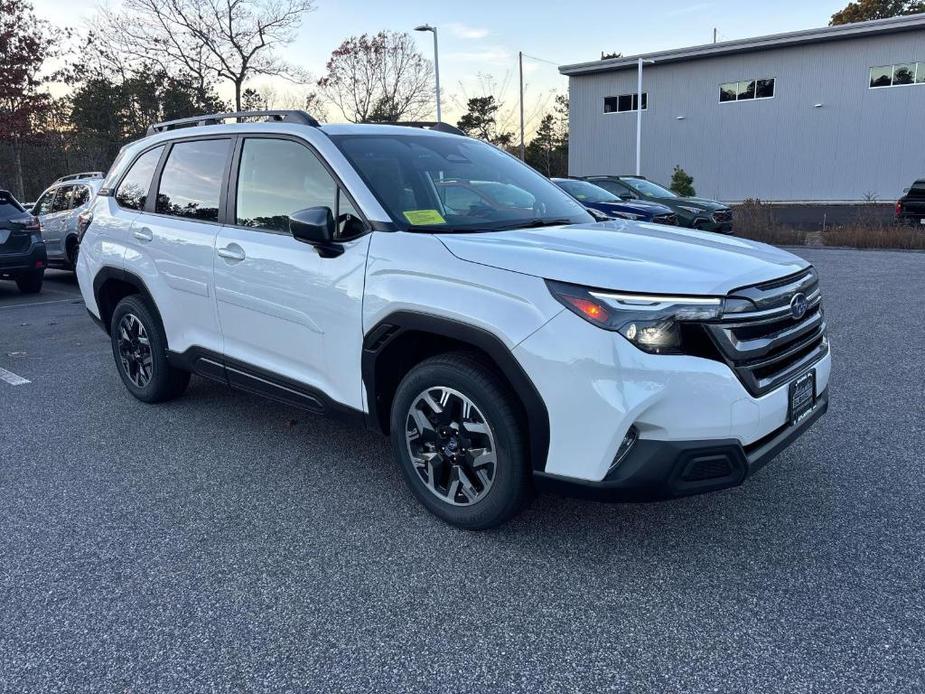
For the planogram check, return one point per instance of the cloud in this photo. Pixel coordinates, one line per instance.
(464, 31)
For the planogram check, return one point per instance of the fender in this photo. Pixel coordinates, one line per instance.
(378, 338)
(107, 273)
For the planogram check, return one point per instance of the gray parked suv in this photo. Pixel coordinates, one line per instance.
(58, 209)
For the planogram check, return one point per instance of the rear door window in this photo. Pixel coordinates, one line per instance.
(133, 191)
(80, 196)
(62, 201)
(191, 182)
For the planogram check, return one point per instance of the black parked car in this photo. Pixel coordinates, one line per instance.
(910, 208)
(696, 213)
(22, 250)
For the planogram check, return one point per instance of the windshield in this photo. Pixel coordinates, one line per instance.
(429, 183)
(584, 191)
(641, 185)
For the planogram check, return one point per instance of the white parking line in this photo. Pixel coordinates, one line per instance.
(12, 378)
(42, 303)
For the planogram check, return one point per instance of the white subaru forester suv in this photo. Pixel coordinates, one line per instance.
(432, 287)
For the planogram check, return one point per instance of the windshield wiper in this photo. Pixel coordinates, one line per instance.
(531, 223)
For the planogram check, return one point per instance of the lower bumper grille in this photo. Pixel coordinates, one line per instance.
(670, 219)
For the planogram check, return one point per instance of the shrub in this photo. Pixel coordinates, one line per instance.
(682, 183)
(861, 236)
(755, 220)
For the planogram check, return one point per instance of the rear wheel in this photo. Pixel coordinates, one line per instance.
(457, 437)
(139, 347)
(31, 282)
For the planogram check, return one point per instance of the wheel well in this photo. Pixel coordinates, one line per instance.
(112, 286)
(387, 363)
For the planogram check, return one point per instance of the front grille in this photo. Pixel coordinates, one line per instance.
(759, 337)
(670, 219)
(18, 242)
(722, 216)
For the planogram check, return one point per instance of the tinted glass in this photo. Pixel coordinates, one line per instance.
(648, 188)
(405, 172)
(904, 74)
(610, 104)
(277, 178)
(881, 76)
(133, 191)
(645, 100)
(764, 89)
(43, 204)
(62, 199)
(626, 102)
(8, 210)
(727, 92)
(192, 179)
(586, 192)
(746, 90)
(80, 197)
(613, 187)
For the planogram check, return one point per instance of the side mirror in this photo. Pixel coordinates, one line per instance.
(315, 226)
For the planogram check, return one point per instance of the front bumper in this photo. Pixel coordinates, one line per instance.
(15, 264)
(658, 470)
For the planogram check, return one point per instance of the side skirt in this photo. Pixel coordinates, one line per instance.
(252, 379)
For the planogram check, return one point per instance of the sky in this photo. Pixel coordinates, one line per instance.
(479, 39)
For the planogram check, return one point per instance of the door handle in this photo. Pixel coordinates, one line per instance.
(232, 252)
(143, 234)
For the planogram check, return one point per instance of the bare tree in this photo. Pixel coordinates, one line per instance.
(232, 40)
(380, 78)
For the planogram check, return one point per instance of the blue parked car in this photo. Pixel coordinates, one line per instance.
(596, 198)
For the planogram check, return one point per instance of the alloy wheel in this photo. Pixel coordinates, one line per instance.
(135, 350)
(451, 446)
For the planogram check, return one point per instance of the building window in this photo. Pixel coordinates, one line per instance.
(899, 75)
(747, 90)
(625, 103)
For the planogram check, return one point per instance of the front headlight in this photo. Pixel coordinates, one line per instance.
(692, 210)
(629, 215)
(652, 322)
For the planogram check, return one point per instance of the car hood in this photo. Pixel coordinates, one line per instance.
(637, 206)
(700, 203)
(629, 256)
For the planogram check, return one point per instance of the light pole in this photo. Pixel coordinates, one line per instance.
(428, 27)
(639, 116)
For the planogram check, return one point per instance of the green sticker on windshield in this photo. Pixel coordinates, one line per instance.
(422, 217)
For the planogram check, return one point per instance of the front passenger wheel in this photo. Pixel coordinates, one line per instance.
(139, 347)
(460, 444)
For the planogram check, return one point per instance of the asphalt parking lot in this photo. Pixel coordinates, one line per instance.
(225, 543)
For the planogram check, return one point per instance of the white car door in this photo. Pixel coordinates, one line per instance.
(172, 241)
(284, 309)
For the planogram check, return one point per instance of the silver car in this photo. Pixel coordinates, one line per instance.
(58, 208)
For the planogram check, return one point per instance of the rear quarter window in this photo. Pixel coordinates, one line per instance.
(132, 192)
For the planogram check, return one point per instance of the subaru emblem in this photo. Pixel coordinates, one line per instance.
(798, 305)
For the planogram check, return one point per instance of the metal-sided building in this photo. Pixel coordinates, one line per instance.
(835, 114)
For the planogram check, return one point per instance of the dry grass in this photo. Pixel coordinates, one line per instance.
(755, 220)
(858, 236)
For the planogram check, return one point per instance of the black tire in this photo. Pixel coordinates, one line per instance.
(164, 382)
(71, 251)
(478, 382)
(31, 282)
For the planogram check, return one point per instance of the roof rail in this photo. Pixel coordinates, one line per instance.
(300, 117)
(436, 126)
(82, 174)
